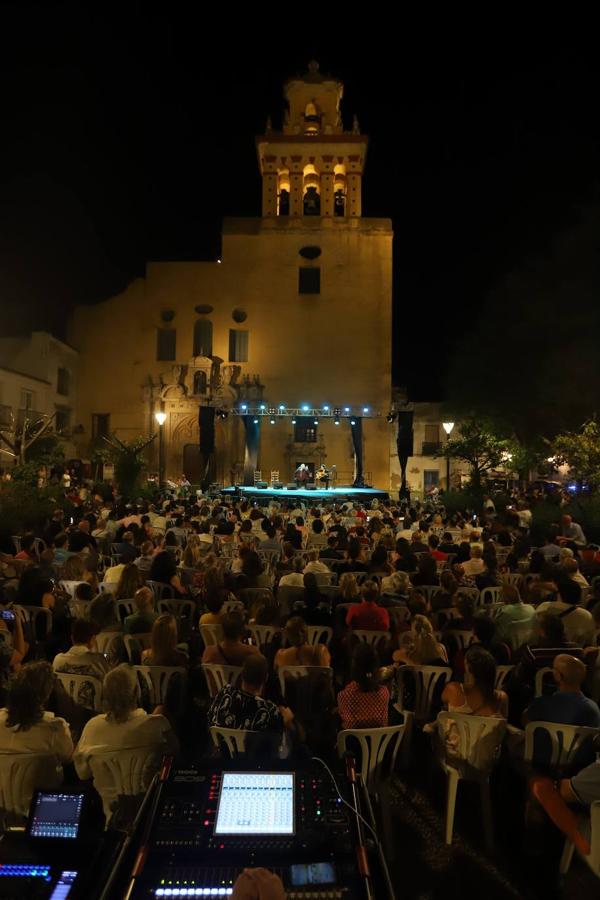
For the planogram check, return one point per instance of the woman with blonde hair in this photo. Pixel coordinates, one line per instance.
(74, 569)
(192, 554)
(131, 579)
(163, 648)
(349, 589)
(420, 646)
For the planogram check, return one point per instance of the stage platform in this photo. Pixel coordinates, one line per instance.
(333, 495)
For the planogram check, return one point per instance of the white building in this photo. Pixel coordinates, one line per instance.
(37, 377)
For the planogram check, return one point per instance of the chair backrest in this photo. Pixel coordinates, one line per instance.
(125, 608)
(287, 595)
(233, 738)
(161, 591)
(370, 637)
(263, 634)
(218, 676)
(180, 608)
(427, 680)
(20, 775)
(518, 632)
(107, 587)
(502, 673)
(477, 743)
(374, 743)
(513, 578)
(109, 642)
(135, 644)
(540, 675)
(85, 690)
(429, 590)
(211, 634)
(317, 632)
(323, 578)
(248, 596)
(489, 595)
(234, 606)
(157, 679)
(461, 638)
(302, 672)
(123, 773)
(471, 592)
(564, 741)
(31, 615)
(593, 860)
(399, 614)
(69, 587)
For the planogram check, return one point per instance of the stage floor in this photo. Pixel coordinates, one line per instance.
(333, 495)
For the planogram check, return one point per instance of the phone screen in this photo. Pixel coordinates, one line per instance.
(8, 615)
(313, 873)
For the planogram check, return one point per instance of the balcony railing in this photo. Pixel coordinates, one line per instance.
(430, 448)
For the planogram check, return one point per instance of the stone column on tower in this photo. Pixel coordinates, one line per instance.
(327, 187)
(354, 198)
(296, 198)
(269, 192)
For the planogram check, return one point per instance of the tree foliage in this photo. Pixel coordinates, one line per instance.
(129, 463)
(479, 446)
(581, 452)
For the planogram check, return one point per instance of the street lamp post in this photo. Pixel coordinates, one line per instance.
(448, 426)
(161, 418)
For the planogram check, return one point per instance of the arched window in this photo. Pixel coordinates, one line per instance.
(200, 382)
(203, 334)
(311, 191)
(283, 192)
(312, 119)
(339, 190)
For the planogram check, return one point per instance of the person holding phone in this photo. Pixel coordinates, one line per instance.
(13, 647)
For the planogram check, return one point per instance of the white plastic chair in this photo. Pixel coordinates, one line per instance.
(20, 775)
(85, 690)
(399, 615)
(263, 634)
(593, 860)
(30, 615)
(477, 748)
(540, 675)
(429, 590)
(427, 680)
(217, 676)
(157, 680)
(374, 743)
(489, 596)
(109, 642)
(107, 587)
(564, 741)
(316, 632)
(461, 637)
(135, 644)
(160, 591)
(471, 592)
(302, 672)
(502, 673)
(123, 773)
(179, 608)
(69, 587)
(125, 608)
(370, 637)
(518, 633)
(233, 738)
(234, 606)
(211, 634)
(512, 578)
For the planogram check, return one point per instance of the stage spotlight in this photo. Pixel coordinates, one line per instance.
(272, 410)
(336, 421)
(352, 422)
(346, 409)
(316, 421)
(365, 409)
(293, 421)
(337, 410)
(256, 421)
(262, 406)
(281, 406)
(305, 408)
(244, 406)
(272, 420)
(326, 408)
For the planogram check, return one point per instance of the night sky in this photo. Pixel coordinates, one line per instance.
(129, 133)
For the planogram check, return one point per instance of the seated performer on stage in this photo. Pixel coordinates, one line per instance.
(323, 476)
(301, 475)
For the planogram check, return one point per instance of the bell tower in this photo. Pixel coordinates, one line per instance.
(313, 167)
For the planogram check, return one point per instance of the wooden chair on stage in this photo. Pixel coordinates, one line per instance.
(274, 476)
(257, 476)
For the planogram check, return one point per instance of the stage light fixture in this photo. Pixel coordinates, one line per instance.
(336, 421)
(346, 409)
(256, 421)
(337, 410)
(272, 410)
(293, 421)
(316, 421)
(281, 406)
(390, 417)
(262, 406)
(305, 408)
(365, 410)
(272, 420)
(244, 406)
(326, 408)
(352, 422)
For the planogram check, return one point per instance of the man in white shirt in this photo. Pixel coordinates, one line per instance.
(81, 658)
(314, 564)
(475, 565)
(579, 623)
(296, 576)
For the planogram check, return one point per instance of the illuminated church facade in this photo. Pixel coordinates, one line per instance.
(277, 354)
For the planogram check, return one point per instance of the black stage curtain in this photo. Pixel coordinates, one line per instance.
(404, 444)
(251, 450)
(206, 422)
(357, 444)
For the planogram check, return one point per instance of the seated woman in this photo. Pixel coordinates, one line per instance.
(315, 607)
(300, 652)
(163, 649)
(103, 613)
(231, 651)
(426, 571)
(214, 604)
(489, 577)
(349, 589)
(253, 574)
(130, 581)
(164, 571)
(378, 564)
(25, 725)
(396, 586)
(364, 702)
(419, 646)
(445, 598)
(477, 696)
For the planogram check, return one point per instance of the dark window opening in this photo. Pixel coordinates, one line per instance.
(166, 344)
(238, 345)
(305, 431)
(63, 382)
(203, 338)
(100, 425)
(200, 382)
(309, 280)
